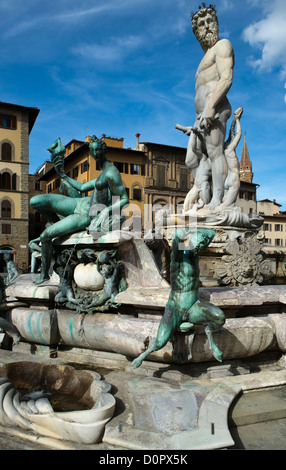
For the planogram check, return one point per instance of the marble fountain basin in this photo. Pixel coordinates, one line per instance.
(56, 401)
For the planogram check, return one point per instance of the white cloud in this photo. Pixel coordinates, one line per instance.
(269, 36)
(23, 26)
(82, 12)
(114, 50)
(29, 15)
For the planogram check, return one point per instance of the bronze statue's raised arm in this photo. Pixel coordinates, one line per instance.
(81, 187)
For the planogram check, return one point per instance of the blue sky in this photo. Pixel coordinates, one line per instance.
(120, 67)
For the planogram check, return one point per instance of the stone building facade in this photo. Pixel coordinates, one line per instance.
(37, 221)
(16, 124)
(247, 199)
(167, 180)
(274, 227)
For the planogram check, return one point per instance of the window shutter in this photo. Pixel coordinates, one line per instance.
(14, 181)
(6, 152)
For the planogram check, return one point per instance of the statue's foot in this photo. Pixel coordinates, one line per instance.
(137, 362)
(218, 355)
(185, 327)
(16, 339)
(41, 279)
(208, 207)
(222, 207)
(192, 209)
(213, 204)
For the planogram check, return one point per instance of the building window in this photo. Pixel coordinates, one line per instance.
(56, 183)
(137, 194)
(75, 172)
(37, 185)
(6, 229)
(8, 121)
(278, 242)
(278, 228)
(6, 182)
(267, 227)
(184, 178)
(121, 167)
(50, 188)
(161, 175)
(84, 167)
(135, 169)
(6, 152)
(6, 211)
(14, 181)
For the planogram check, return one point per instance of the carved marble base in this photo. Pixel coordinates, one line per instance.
(141, 304)
(79, 279)
(236, 257)
(128, 335)
(208, 217)
(91, 404)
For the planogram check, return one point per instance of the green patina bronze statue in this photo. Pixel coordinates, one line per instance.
(11, 269)
(71, 213)
(113, 273)
(6, 326)
(184, 309)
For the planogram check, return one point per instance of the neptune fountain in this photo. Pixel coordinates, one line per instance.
(107, 305)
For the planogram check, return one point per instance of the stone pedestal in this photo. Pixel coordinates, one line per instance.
(178, 416)
(236, 256)
(255, 315)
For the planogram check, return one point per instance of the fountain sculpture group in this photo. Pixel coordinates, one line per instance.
(109, 290)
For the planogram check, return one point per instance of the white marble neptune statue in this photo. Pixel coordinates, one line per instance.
(206, 157)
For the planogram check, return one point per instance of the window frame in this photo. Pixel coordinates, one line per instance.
(6, 229)
(137, 191)
(6, 145)
(135, 169)
(7, 209)
(9, 118)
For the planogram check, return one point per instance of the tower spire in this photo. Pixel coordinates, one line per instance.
(245, 164)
